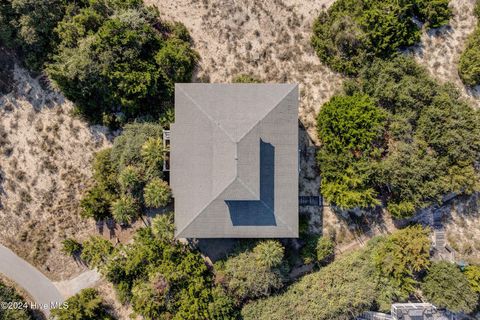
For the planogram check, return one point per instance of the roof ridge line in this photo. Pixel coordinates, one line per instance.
(209, 117)
(261, 119)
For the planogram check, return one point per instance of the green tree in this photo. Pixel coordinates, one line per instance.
(351, 33)
(473, 276)
(96, 251)
(120, 57)
(95, 203)
(9, 295)
(351, 131)
(163, 227)
(256, 273)
(125, 209)
(157, 193)
(27, 26)
(130, 180)
(402, 256)
(86, 305)
(446, 287)
(71, 247)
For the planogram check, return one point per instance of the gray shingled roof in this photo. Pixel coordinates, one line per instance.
(234, 160)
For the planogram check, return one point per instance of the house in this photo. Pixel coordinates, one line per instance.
(412, 311)
(234, 160)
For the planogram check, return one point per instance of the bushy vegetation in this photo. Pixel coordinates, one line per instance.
(246, 78)
(351, 33)
(396, 134)
(469, 64)
(116, 60)
(71, 247)
(160, 277)
(119, 57)
(356, 282)
(446, 287)
(254, 273)
(128, 176)
(85, 305)
(473, 276)
(28, 27)
(9, 295)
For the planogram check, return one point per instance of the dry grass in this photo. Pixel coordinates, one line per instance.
(440, 49)
(45, 162)
(268, 39)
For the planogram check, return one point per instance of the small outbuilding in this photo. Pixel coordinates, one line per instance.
(234, 160)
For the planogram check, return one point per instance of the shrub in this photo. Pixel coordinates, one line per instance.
(157, 193)
(163, 227)
(71, 247)
(125, 209)
(96, 251)
(254, 274)
(402, 256)
(325, 249)
(9, 295)
(166, 280)
(446, 287)
(352, 32)
(96, 203)
(469, 64)
(119, 56)
(130, 180)
(85, 305)
(472, 273)
(344, 289)
(127, 148)
(269, 253)
(246, 78)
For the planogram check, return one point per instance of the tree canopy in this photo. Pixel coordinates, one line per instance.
(160, 277)
(127, 177)
(396, 134)
(469, 63)
(119, 58)
(446, 287)
(355, 282)
(85, 305)
(351, 33)
(9, 295)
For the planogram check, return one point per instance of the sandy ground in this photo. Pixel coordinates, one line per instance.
(440, 49)
(268, 39)
(45, 165)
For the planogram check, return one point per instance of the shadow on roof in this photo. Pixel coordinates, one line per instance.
(258, 212)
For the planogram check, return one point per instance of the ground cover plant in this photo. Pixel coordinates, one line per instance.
(396, 136)
(356, 282)
(351, 33)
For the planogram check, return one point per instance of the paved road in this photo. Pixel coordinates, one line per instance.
(40, 288)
